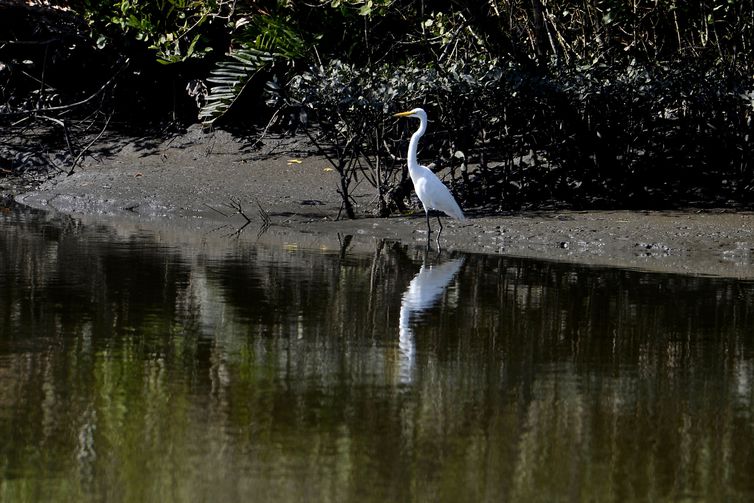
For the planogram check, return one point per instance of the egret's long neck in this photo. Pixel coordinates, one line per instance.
(413, 145)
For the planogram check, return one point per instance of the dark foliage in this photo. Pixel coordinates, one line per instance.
(644, 104)
(642, 137)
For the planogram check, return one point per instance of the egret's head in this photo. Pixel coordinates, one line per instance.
(417, 113)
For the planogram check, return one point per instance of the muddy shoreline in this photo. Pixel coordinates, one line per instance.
(189, 188)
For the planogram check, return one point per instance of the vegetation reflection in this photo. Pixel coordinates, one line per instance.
(130, 371)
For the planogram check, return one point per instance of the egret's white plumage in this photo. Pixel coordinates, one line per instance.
(433, 194)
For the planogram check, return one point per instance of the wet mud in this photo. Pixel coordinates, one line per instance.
(200, 186)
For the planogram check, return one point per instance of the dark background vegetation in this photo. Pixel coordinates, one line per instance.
(532, 103)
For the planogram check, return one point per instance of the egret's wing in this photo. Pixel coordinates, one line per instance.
(436, 195)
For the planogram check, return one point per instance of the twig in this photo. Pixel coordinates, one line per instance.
(96, 93)
(265, 216)
(84, 150)
(267, 127)
(265, 220)
(65, 130)
(235, 204)
(29, 42)
(215, 209)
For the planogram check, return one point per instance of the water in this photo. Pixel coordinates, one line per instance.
(131, 370)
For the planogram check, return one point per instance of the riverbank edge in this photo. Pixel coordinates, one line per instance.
(211, 186)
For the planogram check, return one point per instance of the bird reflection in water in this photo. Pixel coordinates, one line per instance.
(422, 293)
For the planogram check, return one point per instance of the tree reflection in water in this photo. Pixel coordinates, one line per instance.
(134, 371)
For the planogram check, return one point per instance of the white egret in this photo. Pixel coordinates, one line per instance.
(433, 194)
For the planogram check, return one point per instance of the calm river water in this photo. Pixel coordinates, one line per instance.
(131, 370)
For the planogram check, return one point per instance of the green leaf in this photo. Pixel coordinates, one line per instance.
(230, 79)
(192, 45)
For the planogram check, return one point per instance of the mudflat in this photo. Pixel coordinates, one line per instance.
(192, 186)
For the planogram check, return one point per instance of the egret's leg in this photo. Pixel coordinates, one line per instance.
(437, 239)
(429, 229)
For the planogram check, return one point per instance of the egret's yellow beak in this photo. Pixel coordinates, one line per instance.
(404, 114)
